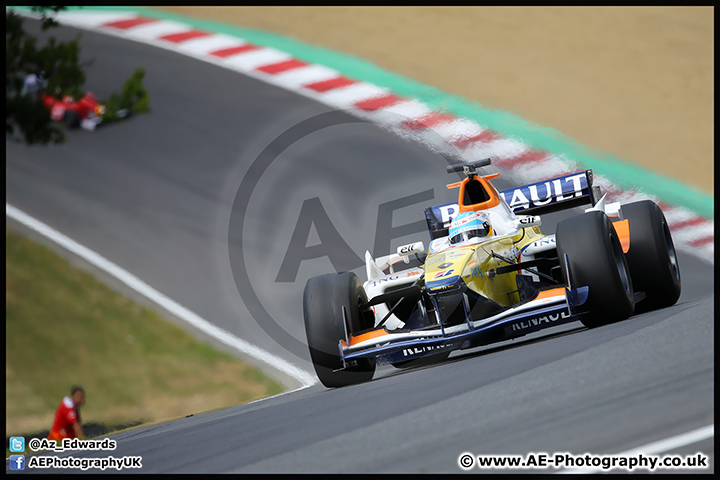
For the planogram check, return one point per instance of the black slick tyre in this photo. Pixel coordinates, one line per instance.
(324, 298)
(596, 260)
(71, 119)
(651, 257)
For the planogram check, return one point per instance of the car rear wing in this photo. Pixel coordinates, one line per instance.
(547, 196)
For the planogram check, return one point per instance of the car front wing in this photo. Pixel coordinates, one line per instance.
(550, 308)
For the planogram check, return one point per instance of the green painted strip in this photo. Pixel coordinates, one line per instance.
(626, 175)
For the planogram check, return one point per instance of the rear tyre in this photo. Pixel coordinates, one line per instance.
(71, 119)
(323, 302)
(651, 257)
(597, 261)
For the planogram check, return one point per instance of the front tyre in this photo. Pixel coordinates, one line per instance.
(651, 257)
(597, 261)
(323, 302)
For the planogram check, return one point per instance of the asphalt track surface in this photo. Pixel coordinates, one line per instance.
(178, 198)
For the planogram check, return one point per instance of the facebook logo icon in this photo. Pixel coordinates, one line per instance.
(17, 462)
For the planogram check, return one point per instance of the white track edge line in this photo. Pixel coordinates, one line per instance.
(660, 446)
(160, 299)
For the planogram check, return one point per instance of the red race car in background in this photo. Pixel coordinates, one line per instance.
(87, 112)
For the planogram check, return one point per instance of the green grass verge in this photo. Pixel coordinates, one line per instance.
(64, 327)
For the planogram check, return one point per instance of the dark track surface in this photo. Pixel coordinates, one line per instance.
(156, 195)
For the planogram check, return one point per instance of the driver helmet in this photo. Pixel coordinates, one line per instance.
(32, 84)
(468, 225)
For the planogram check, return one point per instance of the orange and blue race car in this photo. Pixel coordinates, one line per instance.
(489, 274)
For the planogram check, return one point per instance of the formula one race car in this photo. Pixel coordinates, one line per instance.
(87, 112)
(490, 275)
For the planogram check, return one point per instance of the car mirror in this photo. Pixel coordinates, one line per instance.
(525, 221)
(406, 250)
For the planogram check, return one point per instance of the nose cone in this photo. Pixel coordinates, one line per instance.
(443, 270)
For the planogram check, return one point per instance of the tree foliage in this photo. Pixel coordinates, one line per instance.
(133, 97)
(59, 62)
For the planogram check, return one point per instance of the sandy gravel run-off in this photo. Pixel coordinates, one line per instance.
(636, 82)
